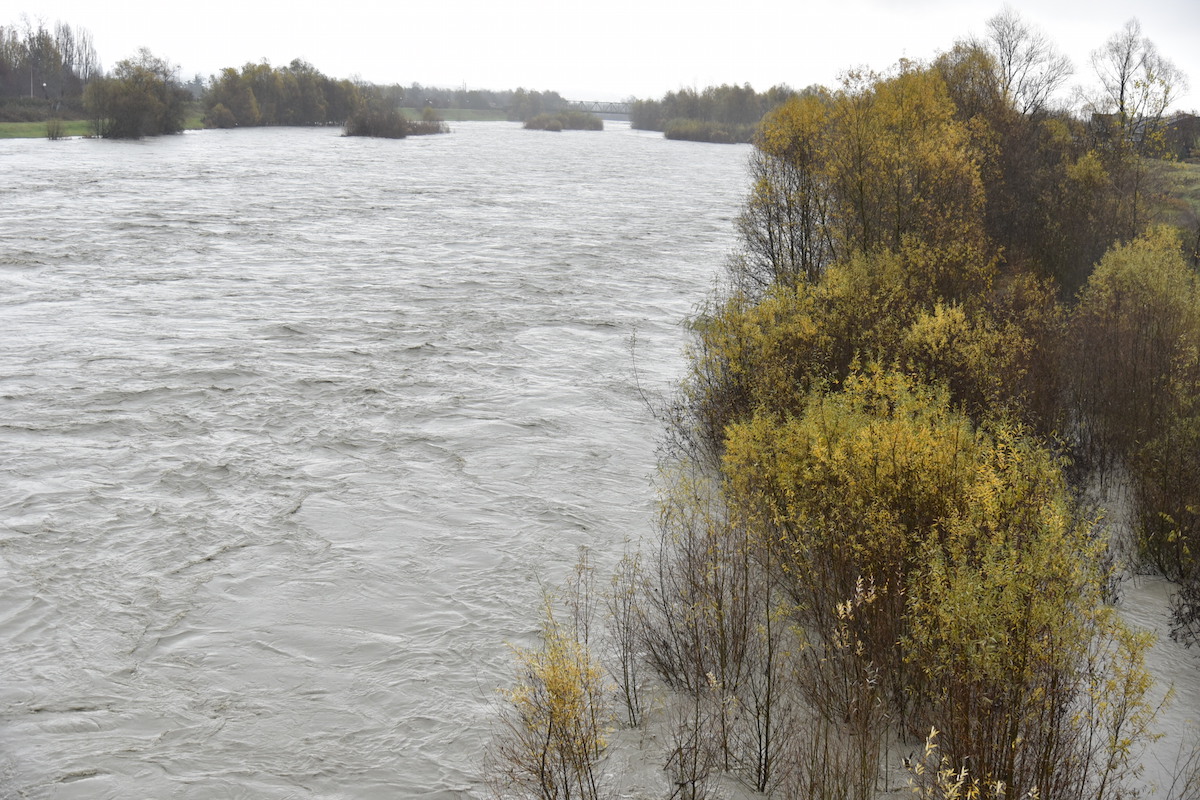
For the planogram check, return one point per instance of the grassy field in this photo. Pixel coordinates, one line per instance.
(71, 127)
(37, 130)
(1185, 178)
(1181, 207)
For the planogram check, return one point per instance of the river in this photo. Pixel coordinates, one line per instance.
(295, 428)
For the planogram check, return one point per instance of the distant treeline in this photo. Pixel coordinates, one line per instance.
(725, 113)
(54, 73)
(299, 94)
(518, 105)
(45, 72)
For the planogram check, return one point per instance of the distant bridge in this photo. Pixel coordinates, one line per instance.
(599, 107)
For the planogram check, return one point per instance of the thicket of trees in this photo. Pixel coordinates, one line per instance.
(140, 97)
(725, 113)
(296, 94)
(54, 73)
(299, 94)
(953, 326)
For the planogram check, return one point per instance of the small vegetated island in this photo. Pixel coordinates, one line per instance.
(565, 121)
(959, 322)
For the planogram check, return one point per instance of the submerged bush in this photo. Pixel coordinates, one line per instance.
(374, 118)
(554, 723)
(387, 123)
(544, 122)
(430, 123)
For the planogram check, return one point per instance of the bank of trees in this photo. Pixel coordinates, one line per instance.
(143, 97)
(953, 322)
(299, 94)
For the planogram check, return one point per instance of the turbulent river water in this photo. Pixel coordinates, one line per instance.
(294, 427)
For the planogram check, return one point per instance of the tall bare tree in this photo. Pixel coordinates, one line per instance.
(1137, 84)
(1028, 66)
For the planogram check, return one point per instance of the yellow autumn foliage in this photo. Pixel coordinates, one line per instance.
(1139, 318)
(848, 488)
(555, 721)
(984, 580)
(869, 480)
(882, 164)
(983, 361)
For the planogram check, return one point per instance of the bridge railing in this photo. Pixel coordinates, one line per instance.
(599, 107)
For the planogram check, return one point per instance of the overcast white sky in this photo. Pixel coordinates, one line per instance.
(598, 50)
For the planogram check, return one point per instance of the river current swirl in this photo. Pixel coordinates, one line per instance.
(295, 427)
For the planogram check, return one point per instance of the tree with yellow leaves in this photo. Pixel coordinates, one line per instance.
(555, 720)
(881, 164)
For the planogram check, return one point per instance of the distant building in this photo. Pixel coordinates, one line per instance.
(1180, 132)
(1183, 136)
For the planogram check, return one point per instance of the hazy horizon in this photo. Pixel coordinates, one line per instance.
(608, 52)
